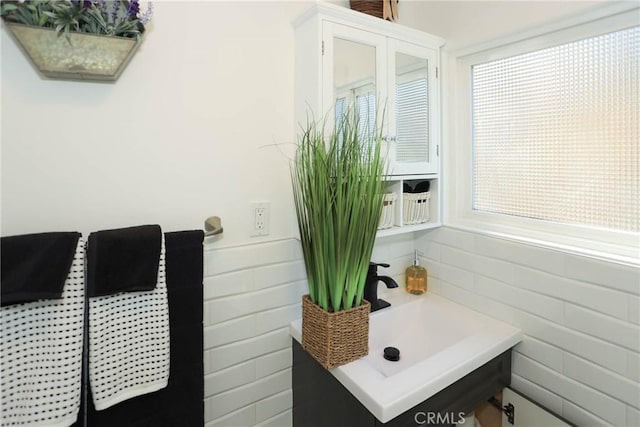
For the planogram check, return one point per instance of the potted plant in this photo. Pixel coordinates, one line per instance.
(338, 191)
(77, 39)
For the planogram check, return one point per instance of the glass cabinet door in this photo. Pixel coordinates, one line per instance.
(354, 82)
(353, 75)
(413, 96)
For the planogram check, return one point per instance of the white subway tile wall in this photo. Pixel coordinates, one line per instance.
(251, 294)
(634, 309)
(581, 417)
(633, 367)
(580, 356)
(534, 392)
(633, 416)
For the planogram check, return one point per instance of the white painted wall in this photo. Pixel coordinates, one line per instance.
(472, 22)
(179, 137)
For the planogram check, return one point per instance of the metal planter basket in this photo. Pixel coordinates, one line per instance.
(80, 56)
(334, 339)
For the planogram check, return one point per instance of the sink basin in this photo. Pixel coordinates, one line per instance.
(421, 329)
(439, 342)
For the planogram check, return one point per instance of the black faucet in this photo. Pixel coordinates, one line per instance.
(371, 286)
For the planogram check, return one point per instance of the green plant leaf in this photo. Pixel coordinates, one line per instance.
(8, 7)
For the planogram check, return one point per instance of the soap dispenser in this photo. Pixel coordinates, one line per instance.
(416, 277)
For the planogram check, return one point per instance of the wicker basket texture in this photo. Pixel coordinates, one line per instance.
(383, 9)
(334, 339)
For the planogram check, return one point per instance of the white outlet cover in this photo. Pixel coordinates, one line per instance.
(259, 224)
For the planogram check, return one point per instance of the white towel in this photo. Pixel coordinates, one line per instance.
(129, 343)
(41, 355)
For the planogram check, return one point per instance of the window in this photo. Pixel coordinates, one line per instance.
(555, 133)
(553, 143)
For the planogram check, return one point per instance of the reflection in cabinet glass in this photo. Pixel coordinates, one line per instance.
(354, 82)
(415, 98)
(412, 108)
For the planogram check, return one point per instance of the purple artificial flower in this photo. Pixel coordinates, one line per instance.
(86, 4)
(134, 8)
(116, 6)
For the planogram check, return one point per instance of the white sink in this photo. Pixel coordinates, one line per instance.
(439, 342)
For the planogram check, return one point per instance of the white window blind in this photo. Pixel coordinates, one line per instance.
(412, 127)
(556, 134)
(366, 104)
(341, 110)
(366, 109)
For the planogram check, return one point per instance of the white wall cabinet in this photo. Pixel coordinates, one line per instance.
(390, 72)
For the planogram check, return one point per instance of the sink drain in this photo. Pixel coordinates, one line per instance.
(392, 354)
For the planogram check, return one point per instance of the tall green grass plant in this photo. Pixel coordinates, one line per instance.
(338, 190)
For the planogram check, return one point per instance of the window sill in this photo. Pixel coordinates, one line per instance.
(624, 249)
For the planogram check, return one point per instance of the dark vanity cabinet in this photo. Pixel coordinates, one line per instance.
(319, 399)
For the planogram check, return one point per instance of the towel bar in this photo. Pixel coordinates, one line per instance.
(213, 226)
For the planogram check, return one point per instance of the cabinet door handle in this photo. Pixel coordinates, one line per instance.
(389, 138)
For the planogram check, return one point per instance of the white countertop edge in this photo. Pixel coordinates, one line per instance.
(295, 330)
(398, 407)
(386, 401)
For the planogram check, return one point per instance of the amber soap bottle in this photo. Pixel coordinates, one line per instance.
(416, 277)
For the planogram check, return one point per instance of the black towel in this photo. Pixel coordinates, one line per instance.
(123, 260)
(35, 266)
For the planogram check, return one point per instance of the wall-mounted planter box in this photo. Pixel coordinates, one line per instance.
(80, 56)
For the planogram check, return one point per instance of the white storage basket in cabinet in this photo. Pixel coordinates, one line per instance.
(415, 208)
(387, 217)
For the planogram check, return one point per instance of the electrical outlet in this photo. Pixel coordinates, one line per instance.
(259, 215)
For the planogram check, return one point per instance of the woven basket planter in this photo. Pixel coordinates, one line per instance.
(334, 339)
(383, 9)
